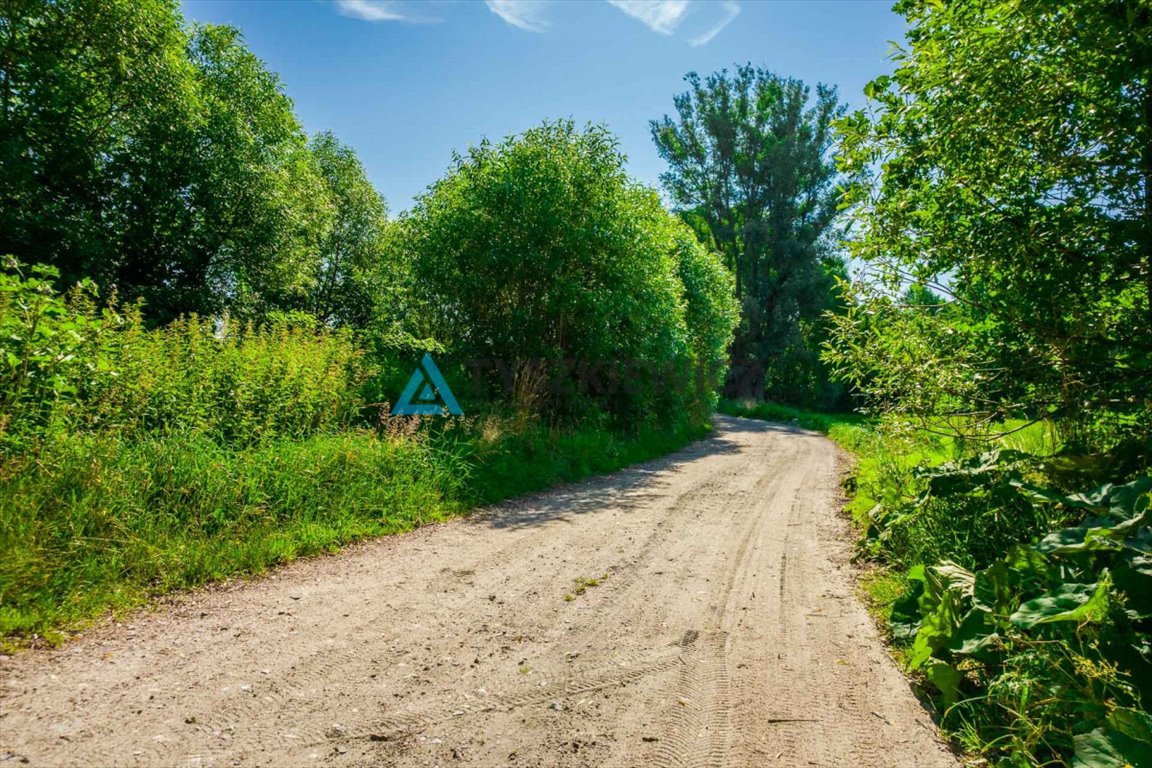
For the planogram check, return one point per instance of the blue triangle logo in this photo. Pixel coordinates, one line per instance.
(429, 381)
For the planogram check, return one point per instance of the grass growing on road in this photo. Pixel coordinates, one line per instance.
(582, 584)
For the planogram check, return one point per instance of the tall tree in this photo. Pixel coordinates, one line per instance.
(751, 167)
(1009, 166)
(161, 161)
(261, 204)
(93, 93)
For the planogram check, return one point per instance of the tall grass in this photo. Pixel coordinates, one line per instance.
(67, 365)
(137, 460)
(99, 522)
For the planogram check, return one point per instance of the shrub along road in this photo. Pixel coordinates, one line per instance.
(696, 610)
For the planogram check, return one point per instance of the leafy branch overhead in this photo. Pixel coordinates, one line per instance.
(1007, 165)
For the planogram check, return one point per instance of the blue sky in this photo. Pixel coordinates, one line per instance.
(406, 82)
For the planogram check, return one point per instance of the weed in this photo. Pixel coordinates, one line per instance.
(582, 585)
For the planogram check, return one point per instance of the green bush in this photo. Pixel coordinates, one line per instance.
(711, 314)
(236, 382)
(969, 511)
(46, 353)
(1042, 653)
(540, 256)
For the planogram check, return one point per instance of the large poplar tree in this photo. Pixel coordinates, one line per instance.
(751, 167)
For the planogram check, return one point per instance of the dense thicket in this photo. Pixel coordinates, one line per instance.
(568, 287)
(751, 167)
(1012, 166)
(1002, 200)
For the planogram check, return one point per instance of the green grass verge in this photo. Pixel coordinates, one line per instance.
(828, 423)
(95, 525)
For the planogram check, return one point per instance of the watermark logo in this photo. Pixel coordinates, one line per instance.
(434, 394)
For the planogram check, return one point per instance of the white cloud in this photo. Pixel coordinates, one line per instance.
(663, 16)
(731, 10)
(525, 14)
(370, 10)
(696, 21)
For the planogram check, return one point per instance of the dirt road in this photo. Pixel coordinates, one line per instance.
(726, 633)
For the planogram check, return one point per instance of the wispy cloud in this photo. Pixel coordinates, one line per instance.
(697, 21)
(731, 11)
(663, 16)
(370, 10)
(525, 14)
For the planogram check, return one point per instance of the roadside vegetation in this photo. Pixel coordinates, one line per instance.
(141, 459)
(206, 317)
(1001, 197)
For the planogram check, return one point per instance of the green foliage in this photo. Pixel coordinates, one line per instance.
(42, 351)
(750, 168)
(256, 171)
(167, 161)
(539, 255)
(1001, 202)
(353, 287)
(1006, 165)
(98, 97)
(969, 510)
(1041, 651)
(99, 522)
(1022, 607)
(711, 313)
(68, 366)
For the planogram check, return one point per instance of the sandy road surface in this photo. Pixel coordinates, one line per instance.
(725, 634)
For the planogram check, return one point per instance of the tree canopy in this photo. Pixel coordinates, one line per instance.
(751, 167)
(539, 251)
(165, 162)
(1007, 164)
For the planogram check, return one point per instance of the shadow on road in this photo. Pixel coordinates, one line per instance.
(627, 488)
